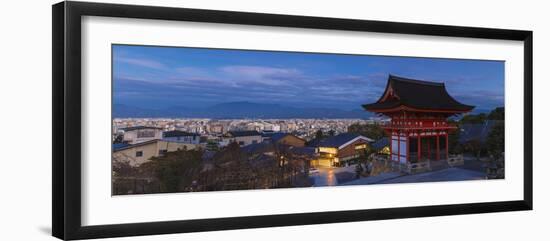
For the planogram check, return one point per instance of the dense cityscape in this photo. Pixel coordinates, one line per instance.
(211, 129)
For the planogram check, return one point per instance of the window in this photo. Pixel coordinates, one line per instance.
(139, 153)
(241, 143)
(360, 146)
(146, 133)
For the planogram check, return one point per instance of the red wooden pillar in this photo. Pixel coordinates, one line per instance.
(429, 150)
(391, 145)
(446, 145)
(398, 147)
(408, 148)
(419, 149)
(437, 146)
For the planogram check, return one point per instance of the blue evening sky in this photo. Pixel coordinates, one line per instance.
(164, 77)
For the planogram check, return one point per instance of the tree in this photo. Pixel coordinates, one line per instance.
(212, 146)
(494, 144)
(118, 139)
(331, 133)
(475, 146)
(358, 170)
(122, 168)
(373, 131)
(366, 154)
(474, 119)
(319, 135)
(367, 157)
(454, 145)
(495, 140)
(496, 114)
(288, 164)
(231, 154)
(175, 170)
(232, 169)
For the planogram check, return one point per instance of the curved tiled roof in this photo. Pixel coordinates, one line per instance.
(417, 94)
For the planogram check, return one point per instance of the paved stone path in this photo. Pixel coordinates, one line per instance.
(335, 177)
(449, 174)
(325, 177)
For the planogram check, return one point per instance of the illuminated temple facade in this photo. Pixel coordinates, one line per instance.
(419, 110)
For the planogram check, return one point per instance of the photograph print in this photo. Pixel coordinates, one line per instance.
(187, 119)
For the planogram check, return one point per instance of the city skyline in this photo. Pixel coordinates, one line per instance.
(164, 77)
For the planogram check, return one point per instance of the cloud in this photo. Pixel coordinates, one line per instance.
(482, 99)
(147, 63)
(262, 75)
(257, 84)
(378, 80)
(192, 72)
(486, 95)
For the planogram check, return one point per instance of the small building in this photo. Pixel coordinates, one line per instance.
(419, 110)
(243, 138)
(262, 147)
(138, 134)
(272, 154)
(181, 136)
(216, 128)
(266, 135)
(340, 149)
(288, 139)
(142, 152)
(276, 140)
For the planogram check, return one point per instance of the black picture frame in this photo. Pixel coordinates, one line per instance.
(66, 47)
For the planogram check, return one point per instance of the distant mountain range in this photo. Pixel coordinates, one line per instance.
(238, 110)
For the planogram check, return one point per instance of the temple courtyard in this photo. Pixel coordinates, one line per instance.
(340, 176)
